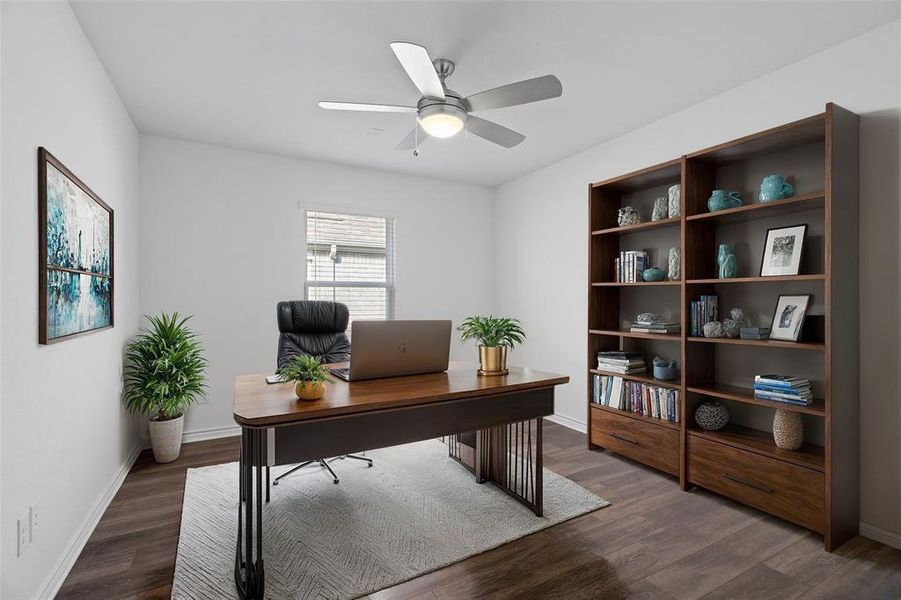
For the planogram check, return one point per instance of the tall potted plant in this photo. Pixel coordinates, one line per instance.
(165, 373)
(494, 336)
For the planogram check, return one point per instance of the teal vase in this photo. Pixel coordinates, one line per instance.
(727, 262)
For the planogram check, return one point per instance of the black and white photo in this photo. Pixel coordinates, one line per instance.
(782, 251)
(789, 317)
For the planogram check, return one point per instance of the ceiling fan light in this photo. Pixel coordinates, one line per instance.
(441, 125)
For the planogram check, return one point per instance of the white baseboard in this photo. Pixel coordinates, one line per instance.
(56, 578)
(568, 422)
(889, 538)
(214, 433)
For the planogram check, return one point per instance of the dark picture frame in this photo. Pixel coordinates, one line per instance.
(96, 281)
(796, 251)
(788, 321)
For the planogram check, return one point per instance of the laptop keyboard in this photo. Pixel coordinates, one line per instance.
(341, 373)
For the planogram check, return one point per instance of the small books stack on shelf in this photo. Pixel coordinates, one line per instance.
(630, 265)
(783, 388)
(755, 333)
(624, 363)
(703, 311)
(635, 397)
(664, 327)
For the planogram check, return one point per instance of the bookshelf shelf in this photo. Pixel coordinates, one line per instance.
(820, 346)
(637, 417)
(772, 279)
(669, 337)
(820, 155)
(761, 442)
(642, 378)
(636, 284)
(646, 226)
(740, 394)
(763, 210)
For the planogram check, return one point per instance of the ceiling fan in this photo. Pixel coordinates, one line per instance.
(442, 112)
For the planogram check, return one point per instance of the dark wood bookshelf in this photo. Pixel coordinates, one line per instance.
(816, 486)
(746, 395)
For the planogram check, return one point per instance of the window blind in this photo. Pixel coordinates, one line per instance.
(350, 259)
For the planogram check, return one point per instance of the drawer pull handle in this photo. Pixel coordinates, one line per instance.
(613, 434)
(756, 486)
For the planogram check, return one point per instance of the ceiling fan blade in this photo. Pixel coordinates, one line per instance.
(416, 62)
(521, 92)
(493, 132)
(366, 107)
(413, 139)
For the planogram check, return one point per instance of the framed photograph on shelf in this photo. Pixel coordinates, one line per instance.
(789, 317)
(75, 273)
(782, 251)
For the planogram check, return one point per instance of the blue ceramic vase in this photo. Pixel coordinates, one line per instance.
(727, 262)
(774, 187)
(721, 200)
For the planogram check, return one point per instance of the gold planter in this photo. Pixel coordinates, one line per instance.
(309, 390)
(493, 360)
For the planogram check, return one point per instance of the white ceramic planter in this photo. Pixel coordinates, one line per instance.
(165, 438)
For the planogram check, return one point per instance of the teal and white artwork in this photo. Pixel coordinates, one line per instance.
(77, 251)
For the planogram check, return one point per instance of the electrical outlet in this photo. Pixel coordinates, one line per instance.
(23, 531)
(35, 519)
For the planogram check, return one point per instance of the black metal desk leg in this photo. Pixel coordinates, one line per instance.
(249, 575)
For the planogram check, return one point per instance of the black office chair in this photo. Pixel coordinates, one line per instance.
(314, 328)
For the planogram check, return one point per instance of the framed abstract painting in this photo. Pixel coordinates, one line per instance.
(76, 255)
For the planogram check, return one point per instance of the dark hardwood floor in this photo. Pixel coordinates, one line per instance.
(653, 542)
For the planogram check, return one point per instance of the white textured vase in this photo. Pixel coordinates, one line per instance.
(165, 438)
(674, 272)
(788, 430)
(675, 200)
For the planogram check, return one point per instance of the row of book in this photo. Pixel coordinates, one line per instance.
(636, 397)
(703, 311)
(630, 266)
(783, 388)
(624, 363)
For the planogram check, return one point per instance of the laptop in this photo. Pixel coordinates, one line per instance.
(394, 348)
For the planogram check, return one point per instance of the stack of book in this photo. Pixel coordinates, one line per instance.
(703, 311)
(630, 265)
(635, 397)
(783, 388)
(755, 333)
(664, 327)
(624, 363)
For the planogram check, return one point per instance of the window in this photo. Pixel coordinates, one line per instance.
(350, 259)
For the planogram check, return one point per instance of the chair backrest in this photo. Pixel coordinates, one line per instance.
(312, 327)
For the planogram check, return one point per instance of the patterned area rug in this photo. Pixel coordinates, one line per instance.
(415, 511)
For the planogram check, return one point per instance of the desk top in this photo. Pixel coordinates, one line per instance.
(259, 404)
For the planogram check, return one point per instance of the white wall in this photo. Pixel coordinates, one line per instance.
(541, 245)
(222, 238)
(65, 436)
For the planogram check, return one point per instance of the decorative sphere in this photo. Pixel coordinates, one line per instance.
(711, 416)
(648, 318)
(713, 329)
(653, 274)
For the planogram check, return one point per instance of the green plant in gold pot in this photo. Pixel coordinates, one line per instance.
(308, 374)
(495, 335)
(165, 373)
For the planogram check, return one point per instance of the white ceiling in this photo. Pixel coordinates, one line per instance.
(249, 74)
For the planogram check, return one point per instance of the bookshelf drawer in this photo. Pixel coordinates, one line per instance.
(789, 491)
(654, 445)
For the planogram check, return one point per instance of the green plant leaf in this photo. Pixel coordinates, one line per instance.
(492, 331)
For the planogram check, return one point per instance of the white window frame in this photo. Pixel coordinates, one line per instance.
(390, 284)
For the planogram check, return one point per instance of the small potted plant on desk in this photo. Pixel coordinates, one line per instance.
(308, 374)
(494, 335)
(164, 374)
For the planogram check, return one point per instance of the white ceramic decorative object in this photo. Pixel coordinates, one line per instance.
(648, 318)
(788, 430)
(660, 209)
(732, 327)
(675, 201)
(627, 216)
(713, 329)
(674, 273)
(165, 438)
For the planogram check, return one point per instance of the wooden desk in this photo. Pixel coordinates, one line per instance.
(276, 428)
